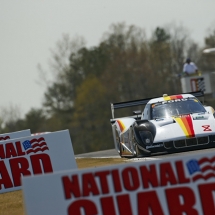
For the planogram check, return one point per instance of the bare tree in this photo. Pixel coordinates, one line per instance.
(9, 116)
(59, 61)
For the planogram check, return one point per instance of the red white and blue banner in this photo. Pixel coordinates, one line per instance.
(33, 155)
(16, 134)
(174, 186)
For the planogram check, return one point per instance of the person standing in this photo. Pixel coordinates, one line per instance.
(190, 68)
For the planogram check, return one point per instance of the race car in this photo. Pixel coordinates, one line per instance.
(167, 124)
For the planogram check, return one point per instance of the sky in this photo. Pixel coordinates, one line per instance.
(30, 29)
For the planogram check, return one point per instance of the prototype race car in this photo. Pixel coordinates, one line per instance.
(168, 124)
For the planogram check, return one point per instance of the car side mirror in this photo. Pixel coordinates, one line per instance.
(137, 112)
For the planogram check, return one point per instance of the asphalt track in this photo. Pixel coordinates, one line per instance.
(112, 153)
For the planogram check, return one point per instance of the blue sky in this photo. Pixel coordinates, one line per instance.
(30, 29)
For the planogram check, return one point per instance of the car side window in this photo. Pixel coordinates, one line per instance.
(146, 112)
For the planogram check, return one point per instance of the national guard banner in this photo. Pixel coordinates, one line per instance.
(33, 155)
(16, 134)
(174, 186)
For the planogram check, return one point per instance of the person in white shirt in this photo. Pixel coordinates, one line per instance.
(190, 68)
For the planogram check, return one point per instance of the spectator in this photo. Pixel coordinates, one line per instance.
(190, 68)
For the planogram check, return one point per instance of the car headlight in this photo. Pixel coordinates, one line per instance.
(146, 137)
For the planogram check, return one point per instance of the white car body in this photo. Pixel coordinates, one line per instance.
(167, 124)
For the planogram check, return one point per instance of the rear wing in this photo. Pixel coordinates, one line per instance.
(120, 105)
(197, 94)
(126, 104)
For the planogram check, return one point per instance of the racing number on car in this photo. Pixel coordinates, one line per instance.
(206, 128)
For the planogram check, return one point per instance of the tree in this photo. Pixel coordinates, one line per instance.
(11, 118)
(58, 98)
(124, 66)
(160, 60)
(60, 91)
(210, 39)
(35, 120)
(91, 129)
(179, 43)
(127, 69)
(160, 35)
(207, 61)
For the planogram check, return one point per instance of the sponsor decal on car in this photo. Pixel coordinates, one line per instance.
(170, 101)
(199, 117)
(173, 97)
(154, 146)
(206, 128)
(121, 125)
(186, 124)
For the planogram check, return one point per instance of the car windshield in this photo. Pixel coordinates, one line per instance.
(176, 107)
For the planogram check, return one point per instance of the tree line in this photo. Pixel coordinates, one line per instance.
(125, 65)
